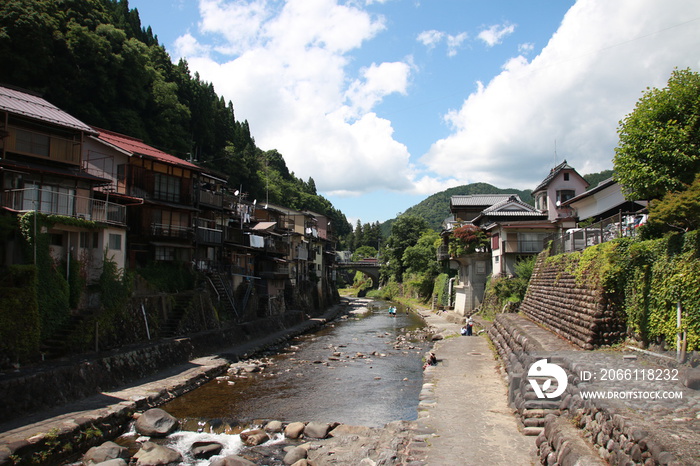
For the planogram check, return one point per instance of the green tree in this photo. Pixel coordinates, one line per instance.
(677, 211)
(659, 147)
(405, 232)
(364, 252)
(422, 257)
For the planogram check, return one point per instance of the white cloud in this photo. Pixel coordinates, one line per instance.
(288, 76)
(433, 37)
(454, 42)
(494, 35)
(574, 92)
(430, 38)
(526, 48)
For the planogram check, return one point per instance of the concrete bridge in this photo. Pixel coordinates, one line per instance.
(367, 267)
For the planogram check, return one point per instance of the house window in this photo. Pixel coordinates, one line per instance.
(165, 254)
(531, 242)
(56, 239)
(495, 242)
(167, 188)
(88, 240)
(32, 143)
(566, 177)
(115, 242)
(541, 203)
(564, 195)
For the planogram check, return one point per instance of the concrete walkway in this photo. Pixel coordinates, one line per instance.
(464, 417)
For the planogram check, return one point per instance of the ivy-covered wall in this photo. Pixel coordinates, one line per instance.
(640, 283)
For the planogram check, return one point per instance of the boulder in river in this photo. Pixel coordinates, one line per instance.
(106, 451)
(274, 427)
(152, 454)
(317, 430)
(205, 450)
(156, 423)
(294, 430)
(254, 437)
(294, 455)
(232, 460)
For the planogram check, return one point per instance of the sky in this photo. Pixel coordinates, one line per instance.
(386, 102)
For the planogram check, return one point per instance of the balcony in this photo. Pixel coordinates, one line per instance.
(209, 235)
(56, 202)
(523, 246)
(210, 198)
(171, 231)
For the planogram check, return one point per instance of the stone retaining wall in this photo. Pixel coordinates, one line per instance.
(62, 381)
(579, 313)
(580, 431)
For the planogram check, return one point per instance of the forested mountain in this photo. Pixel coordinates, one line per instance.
(94, 59)
(436, 208)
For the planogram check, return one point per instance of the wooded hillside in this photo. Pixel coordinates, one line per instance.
(95, 60)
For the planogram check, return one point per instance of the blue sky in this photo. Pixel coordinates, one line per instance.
(385, 102)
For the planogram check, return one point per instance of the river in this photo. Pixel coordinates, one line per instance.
(353, 371)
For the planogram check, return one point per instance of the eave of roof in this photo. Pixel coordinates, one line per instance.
(137, 147)
(553, 173)
(601, 186)
(35, 107)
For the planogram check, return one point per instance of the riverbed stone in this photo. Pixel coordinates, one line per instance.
(294, 430)
(156, 423)
(254, 437)
(274, 427)
(317, 430)
(295, 454)
(106, 451)
(114, 462)
(152, 454)
(232, 460)
(205, 450)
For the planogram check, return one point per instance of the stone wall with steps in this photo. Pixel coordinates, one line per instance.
(588, 431)
(578, 312)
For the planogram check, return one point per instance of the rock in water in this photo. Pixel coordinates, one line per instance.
(105, 452)
(317, 430)
(294, 430)
(156, 423)
(205, 450)
(152, 454)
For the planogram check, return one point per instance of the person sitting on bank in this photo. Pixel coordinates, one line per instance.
(470, 325)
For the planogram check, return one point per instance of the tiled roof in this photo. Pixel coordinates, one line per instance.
(138, 147)
(552, 174)
(32, 106)
(512, 200)
(478, 199)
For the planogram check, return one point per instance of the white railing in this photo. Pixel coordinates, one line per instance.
(53, 202)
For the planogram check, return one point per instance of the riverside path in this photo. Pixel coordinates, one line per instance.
(463, 415)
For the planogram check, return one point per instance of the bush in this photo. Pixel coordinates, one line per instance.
(169, 277)
(19, 315)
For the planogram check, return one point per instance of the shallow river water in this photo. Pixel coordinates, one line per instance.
(352, 371)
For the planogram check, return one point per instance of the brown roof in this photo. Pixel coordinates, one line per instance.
(33, 106)
(138, 147)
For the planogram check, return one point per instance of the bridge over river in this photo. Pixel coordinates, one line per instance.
(367, 267)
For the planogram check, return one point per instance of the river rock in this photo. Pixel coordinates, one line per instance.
(114, 462)
(205, 450)
(317, 430)
(156, 423)
(152, 454)
(294, 430)
(274, 427)
(295, 454)
(232, 460)
(106, 451)
(254, 437)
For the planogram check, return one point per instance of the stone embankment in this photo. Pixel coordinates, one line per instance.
(580, 313)
(70, 405)
(632, 427)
